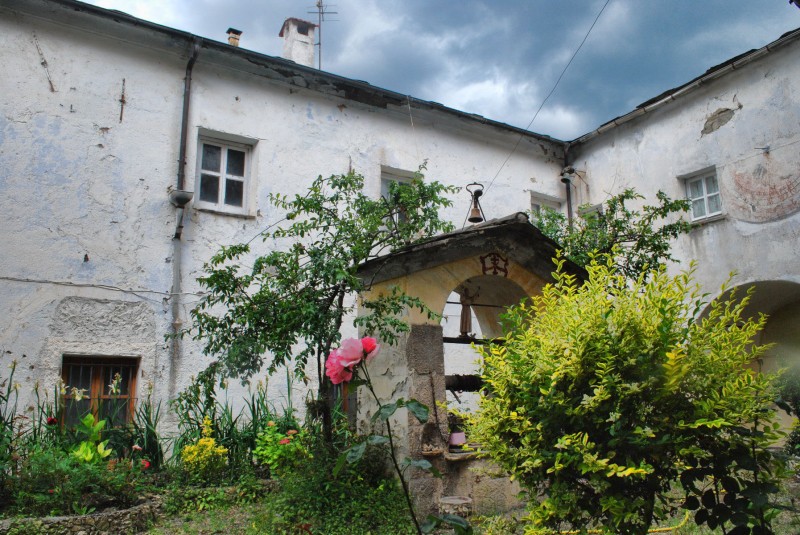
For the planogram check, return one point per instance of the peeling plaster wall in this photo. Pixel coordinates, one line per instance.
(721, 124)
(82, 191)
(84, 179)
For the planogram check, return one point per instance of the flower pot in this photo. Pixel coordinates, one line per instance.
(457, 438)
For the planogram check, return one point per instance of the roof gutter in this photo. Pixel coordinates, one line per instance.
(686, 89)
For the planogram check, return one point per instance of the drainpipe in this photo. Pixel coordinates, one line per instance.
(179, 197)
(566, 178)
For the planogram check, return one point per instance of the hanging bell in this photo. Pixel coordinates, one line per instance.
(475, 212)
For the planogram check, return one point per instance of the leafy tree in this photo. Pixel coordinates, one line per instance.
(634, 237)
(289, 306)
(607, 395)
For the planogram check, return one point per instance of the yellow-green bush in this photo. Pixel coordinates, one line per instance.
(204, 461)
(608, 394)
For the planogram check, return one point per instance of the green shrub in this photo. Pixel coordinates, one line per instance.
(8, 418)
(282, 452)
(363, 498)
(604, 395)
(54, 482)
(184, 499)
(345, 505)
(236, 432)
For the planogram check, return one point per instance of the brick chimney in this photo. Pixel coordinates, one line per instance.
(233, 36)
(298, 41)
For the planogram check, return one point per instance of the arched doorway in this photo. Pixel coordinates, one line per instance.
(780, 301)
(471, 315)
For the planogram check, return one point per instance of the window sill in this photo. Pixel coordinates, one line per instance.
(216, 211)
(710, 219)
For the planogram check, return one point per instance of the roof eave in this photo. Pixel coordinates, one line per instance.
(673, 94)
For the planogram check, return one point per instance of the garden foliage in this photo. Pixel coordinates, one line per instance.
(608, 394)
(204, 460)
(637, 240)
(237, 432)
(49, 466)
(282, 451)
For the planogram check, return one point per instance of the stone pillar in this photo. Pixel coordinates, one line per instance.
(425, 359)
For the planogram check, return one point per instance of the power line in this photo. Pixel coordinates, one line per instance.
(553, 90)
(109, 287)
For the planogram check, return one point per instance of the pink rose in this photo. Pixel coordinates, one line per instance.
(371, 347)
(351, 352)
(284, 441)
(335, 370)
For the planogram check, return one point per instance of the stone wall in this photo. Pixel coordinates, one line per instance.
(133, 520)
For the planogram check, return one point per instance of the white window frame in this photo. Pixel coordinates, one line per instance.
(704, 178)
(400, 176)
(541, 200)
(590, 210)
(220, 205)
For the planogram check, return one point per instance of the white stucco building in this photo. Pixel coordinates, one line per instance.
(105, 120)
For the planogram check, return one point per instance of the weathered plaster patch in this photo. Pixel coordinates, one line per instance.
(92, 319)
(717, 120)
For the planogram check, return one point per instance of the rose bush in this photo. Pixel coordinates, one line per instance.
(342, 361)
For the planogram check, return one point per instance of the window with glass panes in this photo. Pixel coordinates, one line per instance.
(703, 192)
(105, 387)
(222, 176)
(395, 176)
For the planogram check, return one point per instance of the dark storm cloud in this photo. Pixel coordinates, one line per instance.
(501, 58)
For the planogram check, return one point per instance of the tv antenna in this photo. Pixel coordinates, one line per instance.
(321, 11)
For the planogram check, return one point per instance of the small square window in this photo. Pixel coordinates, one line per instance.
(702, 191)
(105, 387)
(223, 176)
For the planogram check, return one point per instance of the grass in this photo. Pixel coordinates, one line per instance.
(249, 519)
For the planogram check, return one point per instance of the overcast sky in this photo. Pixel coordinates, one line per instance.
(500, 58)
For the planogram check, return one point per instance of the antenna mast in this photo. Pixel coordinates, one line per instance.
(321, 11)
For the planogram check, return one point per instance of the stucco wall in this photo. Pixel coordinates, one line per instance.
(757, 235)
(84, 178)
(86, 232)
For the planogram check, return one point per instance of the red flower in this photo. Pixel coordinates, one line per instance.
(52, 421)
(145, 464)
(284, 441)
(371, 347)
(369, 344)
